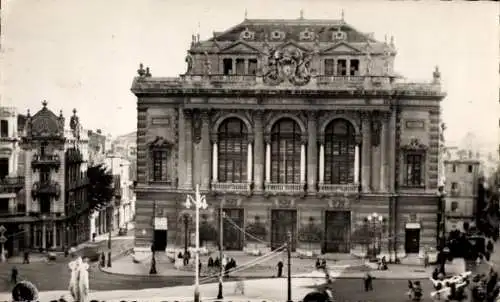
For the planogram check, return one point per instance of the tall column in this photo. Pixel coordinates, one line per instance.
(366, 149)
(383, 154)
(188, 151)
(392, 150)
(268, 161)
(249, 163)
(312, 151)
(54, 235)
(205, 150)
(321, 163)
(44, 235)
(303, 162)
(215, 162)
(259, 151)
(356, 159)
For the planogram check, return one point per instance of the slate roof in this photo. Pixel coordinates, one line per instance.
(263, 28)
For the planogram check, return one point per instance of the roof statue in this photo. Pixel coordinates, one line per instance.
(141, 70)
(246, 14)
(342, 16)
(301, 14)
(189, 61)
(436, 75)
(74, 125)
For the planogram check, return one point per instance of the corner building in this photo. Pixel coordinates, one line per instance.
(289, 124)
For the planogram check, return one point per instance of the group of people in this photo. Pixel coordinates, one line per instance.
(213, 264)
(485, 287)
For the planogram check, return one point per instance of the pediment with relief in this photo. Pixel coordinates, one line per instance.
(341, 47)
(160, 143)
(239, 47)
(414, 145)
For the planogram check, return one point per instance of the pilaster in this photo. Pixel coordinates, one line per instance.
(259, 156)
(205, 150)
(312, 151)
(366, 152)
(383, 153)
(391, 166)
(28, 180)
(188, 150)
(181, 155)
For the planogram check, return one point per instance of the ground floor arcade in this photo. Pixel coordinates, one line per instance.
(330, 224)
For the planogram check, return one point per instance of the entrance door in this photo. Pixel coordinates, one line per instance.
(160, 240)
(412, 241)
(283, 221)
(233, 229)
(337, 232)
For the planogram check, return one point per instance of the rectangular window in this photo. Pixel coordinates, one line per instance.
(227, 66)
(454, 168)
(44, 175)
(329, 67)
(45, 204)
(454, 206)
(354, 69)
(159, 165)
(252, 66)
(240, 66)
(454, 185)
(4, 128)
(414, 170)
(470, 168)
(342, 67)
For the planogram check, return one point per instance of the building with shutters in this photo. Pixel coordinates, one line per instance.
(289, 125)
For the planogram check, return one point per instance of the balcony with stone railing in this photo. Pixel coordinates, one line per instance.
(11, 184)
(39, 161)
(285, 188)
(50, 188)
(339, 80)
(228, 187)
(338, 188)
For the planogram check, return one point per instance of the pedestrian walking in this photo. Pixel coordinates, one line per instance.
(280, 269)
(26, 257)
(368, 281)
(14, 274)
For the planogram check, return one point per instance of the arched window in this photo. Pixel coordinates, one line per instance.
(285, 152)
(340, 143)
(232, 151)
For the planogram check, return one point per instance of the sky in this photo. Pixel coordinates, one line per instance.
(84, 54)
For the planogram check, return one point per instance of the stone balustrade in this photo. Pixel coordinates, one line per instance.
(338, 188)
(280, 188)
(231, 187)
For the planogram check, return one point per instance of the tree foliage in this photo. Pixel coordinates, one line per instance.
(100, 187)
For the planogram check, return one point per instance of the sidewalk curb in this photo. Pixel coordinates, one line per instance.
(263, 277)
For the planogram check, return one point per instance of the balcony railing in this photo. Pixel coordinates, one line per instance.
(233, 78)
(280, 188)
(341, 80)
(51, 188)
(45, 160)
(231, 187)
(338, 188)
(11, 184)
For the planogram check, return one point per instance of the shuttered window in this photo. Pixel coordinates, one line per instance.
(285, 152)
(339, 152)
(232, 151)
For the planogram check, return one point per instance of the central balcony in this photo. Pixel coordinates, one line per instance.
(50, 188)
(39, 161)
(225, 187)
(338, 188)
(284, 188)
(11, 184)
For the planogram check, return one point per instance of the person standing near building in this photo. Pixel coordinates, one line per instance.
(26, 258)
(14, 274)
(280, 269)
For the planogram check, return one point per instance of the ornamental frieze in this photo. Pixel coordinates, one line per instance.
(342, 203)
(284, 203)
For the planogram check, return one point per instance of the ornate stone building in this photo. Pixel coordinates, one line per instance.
(289, 124)
(50, 213)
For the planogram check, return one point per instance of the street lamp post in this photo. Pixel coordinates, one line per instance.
(199, 201)
(221, 244)
(289, 260)
(375, 219)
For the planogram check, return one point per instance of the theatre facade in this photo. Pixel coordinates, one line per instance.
(289, 125)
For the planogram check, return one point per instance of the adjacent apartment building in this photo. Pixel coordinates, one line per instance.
(288, 124)
(49, 210)
(462, 177)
